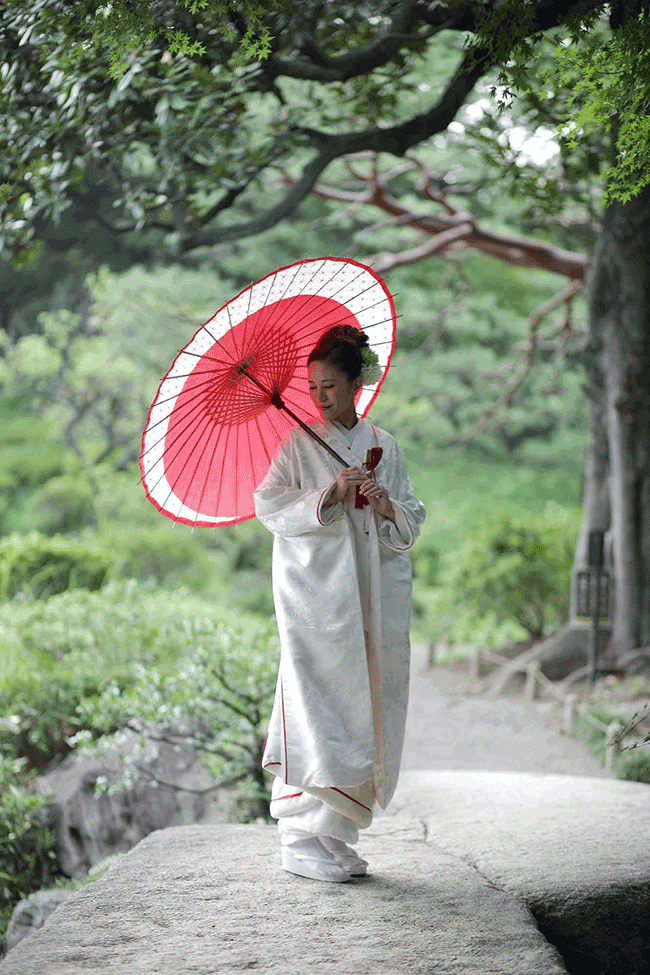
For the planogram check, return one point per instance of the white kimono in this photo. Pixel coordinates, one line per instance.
(342, 593)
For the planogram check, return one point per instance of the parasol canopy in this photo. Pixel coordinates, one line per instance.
(236, 390)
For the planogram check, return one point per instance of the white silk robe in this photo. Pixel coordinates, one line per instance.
(342, 593)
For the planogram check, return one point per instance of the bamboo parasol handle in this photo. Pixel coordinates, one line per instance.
(279, 403)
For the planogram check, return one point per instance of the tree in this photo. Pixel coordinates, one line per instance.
(173, 117)
(190, 108)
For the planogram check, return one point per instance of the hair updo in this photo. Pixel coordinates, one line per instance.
(341, 346)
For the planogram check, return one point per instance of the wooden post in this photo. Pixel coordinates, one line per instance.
(431, 653)
(612, 744)
(475, 663)
(569, 712)
(532, 670)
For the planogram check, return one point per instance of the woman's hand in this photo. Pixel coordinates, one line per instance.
(378, 498)
(348, 479)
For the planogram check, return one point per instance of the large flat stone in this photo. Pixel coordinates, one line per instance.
(208, 899)
(575, 850)
(473, 873)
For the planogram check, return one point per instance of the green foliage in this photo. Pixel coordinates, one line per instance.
(162, 554)
(60, 651)
(634, 766)
(216, 702)
(63, 504)
(516, 569)
(611, 82)
(197, 106)
(605, 73)
(27, 844)
(41, 710)
(37, 566)
(121, 26)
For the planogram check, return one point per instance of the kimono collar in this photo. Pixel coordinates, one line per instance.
(344, 440)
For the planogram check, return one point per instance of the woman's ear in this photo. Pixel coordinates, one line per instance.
(356, 385)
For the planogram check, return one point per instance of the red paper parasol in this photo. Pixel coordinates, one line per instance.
(221, 411)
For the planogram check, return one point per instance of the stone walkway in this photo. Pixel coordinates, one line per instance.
(449, 729)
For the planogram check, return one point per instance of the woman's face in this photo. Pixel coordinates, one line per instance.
(332, 392)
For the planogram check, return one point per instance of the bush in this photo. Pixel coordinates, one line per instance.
(516, 569)
(634, 765)
(167, 553)
(63, 504)
(36, 566)
(40, 713)
(78, 643)
(27, 845)
(217, 702)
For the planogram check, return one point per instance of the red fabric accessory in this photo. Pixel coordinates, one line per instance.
(373, 456)
(238, 387)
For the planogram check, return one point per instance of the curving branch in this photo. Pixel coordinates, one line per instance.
(316, 65)
(396, 140)
(459, 225)
(564, 297)
(437, 245)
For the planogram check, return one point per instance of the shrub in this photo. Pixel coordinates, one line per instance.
(63, 504)
(27, 845)
(165, 553)
(78, 643)
(37, 566)
(634, 765)
(40, 713)
(217, 702)
(516, 569)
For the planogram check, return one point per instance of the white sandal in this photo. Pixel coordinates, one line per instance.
(348, 857)
(309, 858)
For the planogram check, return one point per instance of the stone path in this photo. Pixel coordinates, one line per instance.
(449, 729)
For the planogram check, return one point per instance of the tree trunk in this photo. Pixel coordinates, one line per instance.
(617, 467)
(617, 487)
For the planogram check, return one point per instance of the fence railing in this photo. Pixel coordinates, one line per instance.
(536, 681)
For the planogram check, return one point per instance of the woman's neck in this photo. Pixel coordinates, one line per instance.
(348, 421)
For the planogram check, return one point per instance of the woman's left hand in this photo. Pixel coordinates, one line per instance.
(378, 498)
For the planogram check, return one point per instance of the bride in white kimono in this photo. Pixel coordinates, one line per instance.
(342, 593)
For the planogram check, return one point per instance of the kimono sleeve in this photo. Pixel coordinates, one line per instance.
(409, 510)
(286, 508)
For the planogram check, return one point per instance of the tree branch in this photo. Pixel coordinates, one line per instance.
(396, 140)
(509, 248)
(381, 263)
(319, 66)
(565, 296)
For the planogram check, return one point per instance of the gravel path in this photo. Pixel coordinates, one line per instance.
(448, 729)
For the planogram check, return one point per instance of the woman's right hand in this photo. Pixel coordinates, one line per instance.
(347, 479)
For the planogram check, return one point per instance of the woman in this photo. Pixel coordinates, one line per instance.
(342, 593)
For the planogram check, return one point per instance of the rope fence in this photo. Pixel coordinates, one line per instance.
(536, 681)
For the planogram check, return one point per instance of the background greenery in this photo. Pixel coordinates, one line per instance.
(106, 607)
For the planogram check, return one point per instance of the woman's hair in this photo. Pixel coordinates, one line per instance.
(341, 346)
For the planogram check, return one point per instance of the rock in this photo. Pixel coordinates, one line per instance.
(32, 913)
(90, 827)
(197, 900)
(470, 873)
(574, 850)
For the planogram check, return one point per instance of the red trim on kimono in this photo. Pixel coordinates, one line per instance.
(351, 798)
(284, 731)
(320, 501)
